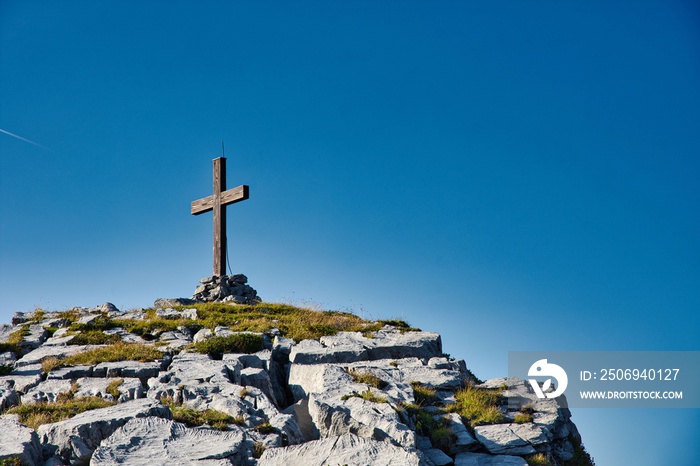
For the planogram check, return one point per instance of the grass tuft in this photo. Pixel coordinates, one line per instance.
(64, 408)
(265, 429)
(216, 347)
(94, 337)
(117, 352)
(258, 450)
(367, 395)
(424, 395)
(14, 339)
(367, 378)
(194, 418)
(523, 418)
(113, 388)
(478, 406)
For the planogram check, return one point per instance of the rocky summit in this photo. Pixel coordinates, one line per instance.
(258, 384)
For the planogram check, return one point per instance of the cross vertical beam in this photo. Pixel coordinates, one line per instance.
(219, 217)
(217, 203)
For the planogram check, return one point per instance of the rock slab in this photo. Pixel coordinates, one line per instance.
(160, 442)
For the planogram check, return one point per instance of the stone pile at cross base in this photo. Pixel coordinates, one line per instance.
(347, 399)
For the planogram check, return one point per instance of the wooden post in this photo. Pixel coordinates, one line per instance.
(217, 202)
(219, 217)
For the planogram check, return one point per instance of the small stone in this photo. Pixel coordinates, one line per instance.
(164, 303)
(202, 335)
(109, 307)
(190, 314)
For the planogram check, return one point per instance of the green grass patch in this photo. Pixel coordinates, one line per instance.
(102, 322)
(478, 406)
(523, 418)
(194, 418)
(14, 339)
(424, 395)
(442, 437)
(438, 430)
(94, 337)
(367, 378)
(265, 429)
(113, 388)
(293, 322)
(64, 408)
(367, 395)
(6, 368)
(216, 347)
(525, 415)
(117, 352)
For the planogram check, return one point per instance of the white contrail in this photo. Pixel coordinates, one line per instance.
(23, 139)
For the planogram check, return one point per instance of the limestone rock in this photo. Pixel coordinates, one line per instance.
(437, 456)
(353, 346)
(19, 441)
(46, 391)
(227, 288)
(142, 370)
(345, 449)
(202, 335)
(22, 381)
(164, 303)
(48, 351)
(502, 439)
(76, 438)
(8, 396)
(480, 459)
(37, 335)
(7, 359)
(154, 441)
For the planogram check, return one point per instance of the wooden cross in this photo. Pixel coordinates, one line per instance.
(218, 202)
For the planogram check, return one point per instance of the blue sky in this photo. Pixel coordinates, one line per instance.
(514, 175)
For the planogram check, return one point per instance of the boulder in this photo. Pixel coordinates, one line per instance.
(142, 370)
(164, 303)
(202, 335)
(168, 313)
(346, 449)
(501, 439)
(21, 382)
(18, 441)
(333, 416)
(8, 396)
(437, 456)
(481, 459)
(76, 438)
(48, 351)
(153, 441)
(46, 391)
(37, 335)
(7, 359)
(258, 378)
(129, 388)
(348, 347)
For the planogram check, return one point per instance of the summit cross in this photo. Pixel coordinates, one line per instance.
(218, 202)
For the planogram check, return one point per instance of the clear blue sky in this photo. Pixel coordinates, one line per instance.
(514, 175)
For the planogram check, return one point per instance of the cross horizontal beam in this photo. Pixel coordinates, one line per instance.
(205, 204)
